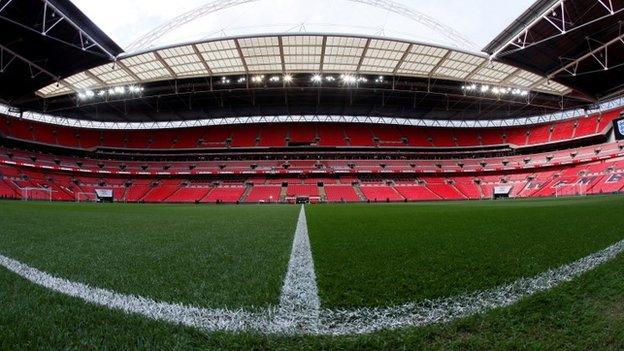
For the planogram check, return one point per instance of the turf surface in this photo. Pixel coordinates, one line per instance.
(212, 256)
(585, 314)
(245, 268)
(377, 255)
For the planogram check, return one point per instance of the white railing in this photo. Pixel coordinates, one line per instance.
(509, 122)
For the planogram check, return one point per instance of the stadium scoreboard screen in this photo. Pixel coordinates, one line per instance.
(618, 126)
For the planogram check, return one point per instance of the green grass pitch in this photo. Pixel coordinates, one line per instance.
(364, 255)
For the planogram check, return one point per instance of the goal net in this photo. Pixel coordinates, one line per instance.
(85, 197)
(577, 189)
(32, 193)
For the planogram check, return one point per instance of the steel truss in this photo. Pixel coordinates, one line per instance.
(511, 122)
(145, 41)
(51, 18)
(7, 56)
(597, 51)
(557, 16)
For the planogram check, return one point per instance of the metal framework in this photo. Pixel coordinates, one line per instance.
(511, 122)
(7, 56)
(597, 51)
(303, 53)
(51, 17)
(148, 39)
(557, 16)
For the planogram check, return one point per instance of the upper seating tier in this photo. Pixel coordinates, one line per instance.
(301, 134)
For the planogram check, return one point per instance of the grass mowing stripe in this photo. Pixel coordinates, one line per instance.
(367, 320)
(213, 256)
(206, 319)
(341, 322)
(380, 255)
(585, 314)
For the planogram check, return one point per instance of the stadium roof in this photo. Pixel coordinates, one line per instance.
(42, 41)
(578, 43)
(303, 53)
(79, 73)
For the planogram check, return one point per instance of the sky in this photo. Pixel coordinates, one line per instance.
(478, 20)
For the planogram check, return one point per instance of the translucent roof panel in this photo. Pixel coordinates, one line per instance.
(112, 75)
(305, 53)
(302, 53)
(82, 81)
(261, 54)
(55, 89)
(421, 60)
(222, 56)
(524, 79)
(147, 67)
(343, 54)
(459, 65)
(492, 72)
(382, 56)
(550, 86)
(184, 61)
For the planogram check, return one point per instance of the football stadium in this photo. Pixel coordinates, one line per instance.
(374, 174)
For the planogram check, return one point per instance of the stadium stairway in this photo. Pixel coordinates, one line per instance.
(322, 193)
(359, 193)
(245, 195)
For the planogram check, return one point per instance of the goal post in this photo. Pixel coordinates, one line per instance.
(575, 189)
(85, 197)
(36, 193)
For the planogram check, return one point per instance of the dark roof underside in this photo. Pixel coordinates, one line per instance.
(59, 52)
(401, 97)
(592, 26)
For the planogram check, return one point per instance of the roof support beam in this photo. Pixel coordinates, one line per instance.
(5, 5)
(82, 33)
(240, 53)
(439, 64)
(572, 66)
(95, 78)
(165, 65)
(368, 41)
(523, 34)
(402, 59)
(511, 76)
(127, 70)
(521, 39)
(201, 59)
(281, 52)
(477, 69)
(32, 66)
(323, 46)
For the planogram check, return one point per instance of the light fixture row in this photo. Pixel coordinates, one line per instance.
(113, 91)
(493, 90)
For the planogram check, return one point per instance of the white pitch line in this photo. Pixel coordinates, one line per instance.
(207, 319)
(298, 310)
(414, 314)
(299, 302)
